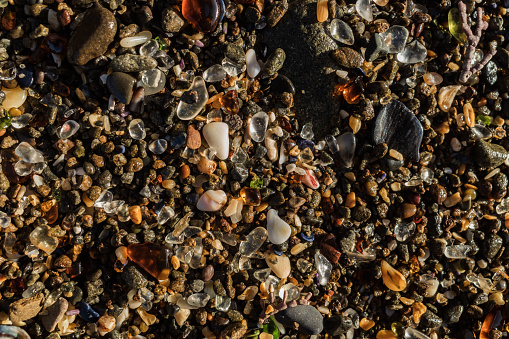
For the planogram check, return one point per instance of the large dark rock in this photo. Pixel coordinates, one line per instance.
(309, 319)
(488, 155)
(92, 36)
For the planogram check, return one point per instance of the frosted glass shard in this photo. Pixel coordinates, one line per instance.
(324, 268)
(395, 38)
(253, 67)
(21, 120)
(216, 135)
(412, 333)
(152, 80)
(69, 128)
(40, 239)
(198, 300)
(214, 73)
(277, 229)
(232, 68)
(364, 9)
(457, 251)
(404, 230)
(137, 129)
(165, 214)
(332, 143)
(104, 197)
(254, 241)
(5, 220)
(340, 31)
(158, 146)
(193, 101)
(261, 275)
(307, 131)
(223, 303)
(28, 154)
(258, 126)
(347, 144)
(413, 53)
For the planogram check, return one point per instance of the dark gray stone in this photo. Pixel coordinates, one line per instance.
(133, 63)
(492, 244)
(453, 314)
(121, 86)
(488, 155)
(337, 325)
(134, 278)
(171, 21)
(309, 319)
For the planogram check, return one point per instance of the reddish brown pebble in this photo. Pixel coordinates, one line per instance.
(9, 21)
(208, 273)
(184, 172)
(408, 210)
(329, 248)
(204, 15)
(152, 258)
(63, 17)
(193, 138)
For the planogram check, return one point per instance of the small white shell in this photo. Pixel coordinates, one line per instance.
(278, 230)
(212, 201)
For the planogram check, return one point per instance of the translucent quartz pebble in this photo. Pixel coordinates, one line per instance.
(14, 97)
(307, 131)
(364, 9)
(347, 144)
(104, 197)
(430, 284)
(21, 120)
(395, 38)
(33, 290)
(253, 67)
(28, 154)
(69, 128)
(258, 126)
(293, 291)
(223, 303)
(137, 129)
(400, 129)
(165, 214)
(277, 229)
(23, 168)
(324, 268)
(503, 207)
(446, 96)
(457, 251)
(198, 300)
(332, 143)
(481, 132)
(412, 333)
(152, 80)
(5, 220)
(158, 146)
(279, 264)
(181, 316)
(197, 253)
(432, 78)
(149, 48)
(214, 116)
(239, 156)
(340, 31)
(253, 242)
(413, 53)
(455, 25)
(10, 331)
(176, 240)
(198, 97)
(112, 207)
(214, 73)
(136, 40)
(40, 239)
(261, 275)
(404, 230)
(8, 70)
(212, 201)
(216, 135)
(232, 68)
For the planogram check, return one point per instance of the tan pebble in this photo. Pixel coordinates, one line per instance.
(262, 207)
(168, 184)
(408, 210)
(392, 278)
(396, 186)
(185, 171)
(453, 66)
(418, 310)
(355, 124)
(135, 214)
(395, 154)
(455, 145)
(86, 200)
(121, 254)
(350, 200)
(385, 334)
(193, 138)
(322, 12)
(469, 114)
(406, 301)
(452, 200)
(350, 176)
(175, 262)
(366, 324)
(206, 166)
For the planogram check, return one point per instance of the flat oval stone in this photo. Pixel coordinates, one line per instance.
(347, 57)
(92, 36)
(121, 86)
(486, 154)
(309, 319)
(133, 63)
(280, 265)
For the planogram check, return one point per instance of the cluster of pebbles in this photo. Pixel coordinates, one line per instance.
(156, 183)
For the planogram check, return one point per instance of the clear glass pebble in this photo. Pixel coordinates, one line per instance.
(149, 48)
(158, 146)
(481, 132)
(21, 120)
(112, 207)
(69, 128)
(324, 268)
(5, 220)
(503, 207)
(123, 213)
(342, 32)
(254, 241)
(214, 116)
(239, 156)
(197, 253)
(412, 333)
(347, 144)
(198, 300)
(223, 303)
(364, 9)
(261, 275)
(23, 168)
(176, 240)
(105, 197)
(258, 126)
(137, 129)
(40, 238)
(152, 80)
(33, 290)
(293, 291)
(427, 175)
(404, 230)
(307, 131)
(332, 143)
(457, 251)
(214, 73)
(198, 98)
(395, 38)
(430, 283)
(8, 70)
(413, 53)
(28, 154)
(165, 214)
(232, 68)
(184, 254)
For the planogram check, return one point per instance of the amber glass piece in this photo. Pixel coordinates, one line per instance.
(230, 102)
(18, 285)
(9, 21)
(204, 15)
(75, 270)
(251, 196)
(52, 215)
(492, 320)
(352, 90)
(152, 258)
(10, 173)
(61, 89)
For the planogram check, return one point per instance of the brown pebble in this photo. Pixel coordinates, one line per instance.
(208, 273)
(193, 138)
(185, 171)
(438, 193)
(408, 210)
(135, 214)
(206, 166)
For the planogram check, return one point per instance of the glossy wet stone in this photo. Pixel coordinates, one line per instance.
(92, 36)
(277, 229)
(398, 127)
(309, 319)
(152, 258)
(193, 100)
(204, 15)
(486, 154)
(121, 86)
(216, 135)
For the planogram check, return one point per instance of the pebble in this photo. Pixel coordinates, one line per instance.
(337, 325)
(92, 36)
(121, 86)
(347, 57)
(234, 331)
(309, 319)
(54, 314)
(274, 62)
(132, 63)
(488, 155)
(25, 309)
(375, 48)
(171, 21)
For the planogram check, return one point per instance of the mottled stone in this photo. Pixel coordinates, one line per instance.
(133, 63)
(26, 308)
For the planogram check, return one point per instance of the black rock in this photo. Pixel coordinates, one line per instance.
(400, 129)
(376, 46)
(490, 72)
(492, 244)
(26, 76)
(430, 320)
(337, 325)
(282, 84)
(488, 155)
(121, 86)
(453, 314)
(309, 319)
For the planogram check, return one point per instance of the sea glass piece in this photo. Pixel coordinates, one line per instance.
(193, 103)
(69, 128)
(232, 68)
(341, 32)
(392, 278)
(212, 201)
(324, 268)
(253, 67)
(455, 25)
(404, 230)
(457, 251)
(136, 40)
(28, 154)
(446, 96)
(307, 131)
(149, 48)
(216, 135)
(399, 128)
(258, 126)
(198, 300)
(223, 303)
(42, 240)
(21, 121)
(214, 73)
(152, 80)
(395, 38)
(332, 143)
(412, 333)
(277, 229)
(153, 258)
(5, 220)
(14, 97)
(413, 53)
(137, 129)
(253, 242)
(204, 15)
(364, 9)
(158, 146)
